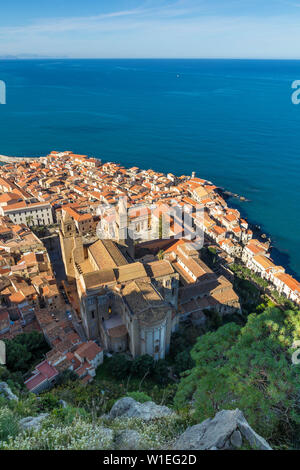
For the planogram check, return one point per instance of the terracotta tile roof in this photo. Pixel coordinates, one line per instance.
(265, 262)
(88, 350)
(17, 297)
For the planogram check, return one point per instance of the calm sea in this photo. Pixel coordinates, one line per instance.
(231, 121)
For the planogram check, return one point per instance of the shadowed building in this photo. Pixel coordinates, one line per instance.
(133, 305)
(128, 305)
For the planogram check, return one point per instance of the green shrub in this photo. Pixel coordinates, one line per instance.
(65, 377)
(68, 415)
(142, 365)
(249, 367)
(80, 435)
(156, 434)
(9, 426)
(13, 379)
(24, 351)
(26, 406)
(48, 402)
(183, 362)
(139, 396)
(95, 398)
(160, 372)
(119, 366)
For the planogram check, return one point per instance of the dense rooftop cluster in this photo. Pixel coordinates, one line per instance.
(63, 185)
(78, 184)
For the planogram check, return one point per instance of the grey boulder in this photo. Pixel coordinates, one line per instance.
(6, 392)
(225, 431)
(129, 408)
(33, 422)
(129, 439)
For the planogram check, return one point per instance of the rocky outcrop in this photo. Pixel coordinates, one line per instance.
(6, 392)
(129, 408)
(227, 430)
(131, 425)
(33, 422)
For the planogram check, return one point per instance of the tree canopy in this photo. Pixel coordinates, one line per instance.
(23, 351)
(249, 368)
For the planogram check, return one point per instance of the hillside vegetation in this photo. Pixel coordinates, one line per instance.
(247, 367)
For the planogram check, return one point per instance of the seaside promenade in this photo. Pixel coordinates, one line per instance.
(6, 159)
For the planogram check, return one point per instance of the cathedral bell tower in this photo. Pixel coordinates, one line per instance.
(124, 237)
(71, 245)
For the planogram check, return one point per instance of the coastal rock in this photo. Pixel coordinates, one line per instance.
(33, 422)
(129, 408)
(129, 439)
(226, 430)
(6, 392)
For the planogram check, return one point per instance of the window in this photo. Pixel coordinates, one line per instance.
(93, 314)
(91, 301)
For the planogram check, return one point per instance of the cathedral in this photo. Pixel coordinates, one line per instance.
(127, 304)
(134, 305)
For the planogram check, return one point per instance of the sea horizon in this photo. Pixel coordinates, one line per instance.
(37, 57)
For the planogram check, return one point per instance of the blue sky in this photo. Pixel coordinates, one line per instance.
(151, 28)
